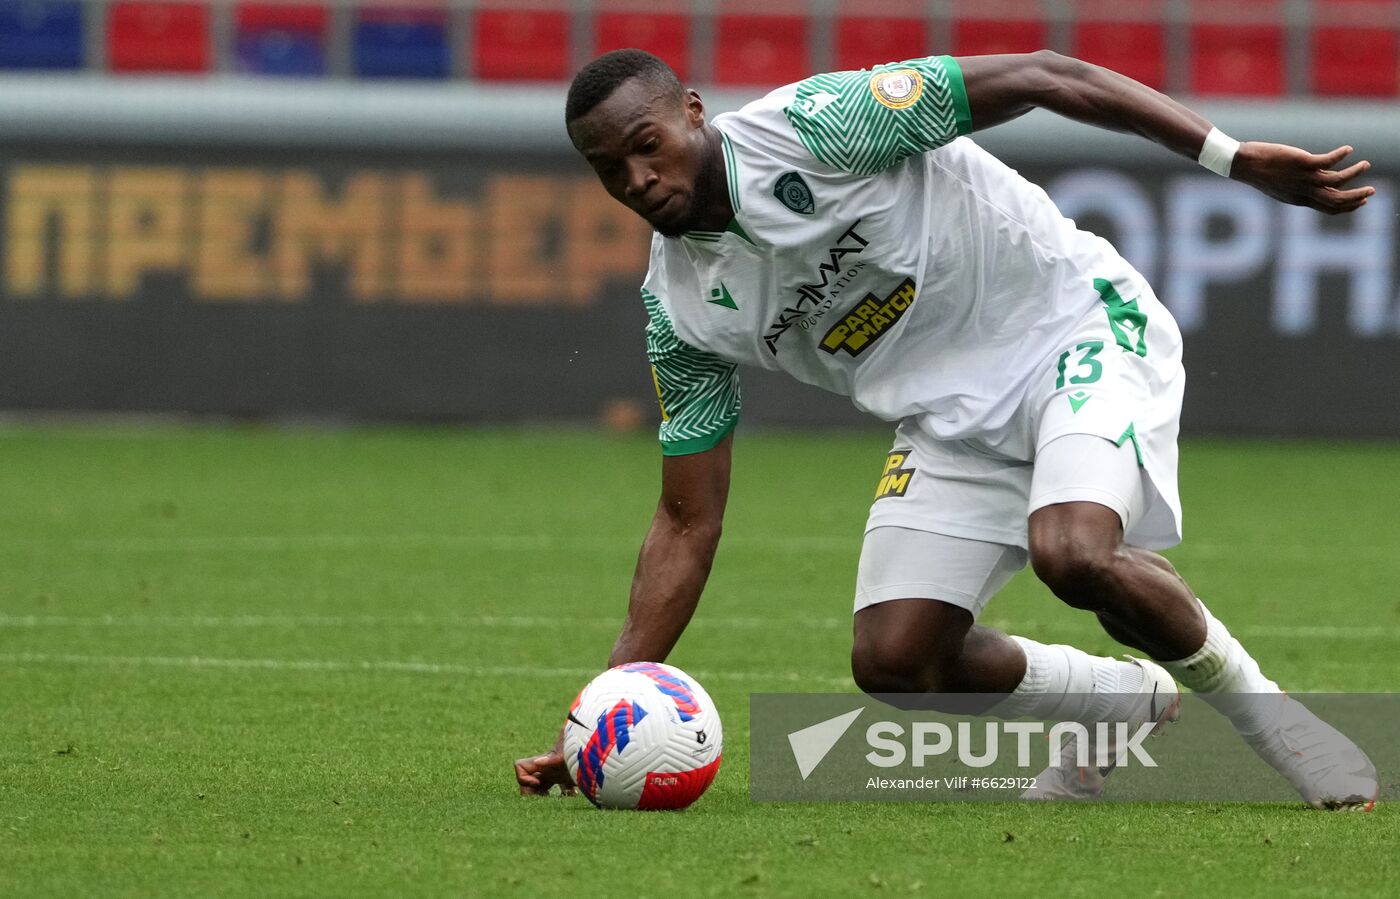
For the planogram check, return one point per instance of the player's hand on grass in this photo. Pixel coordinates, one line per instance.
(1301, 178)
(538, 774)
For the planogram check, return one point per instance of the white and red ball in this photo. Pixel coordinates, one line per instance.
(643, 736)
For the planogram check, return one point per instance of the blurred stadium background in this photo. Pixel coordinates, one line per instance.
(369, 211)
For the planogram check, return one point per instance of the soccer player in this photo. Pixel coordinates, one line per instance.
(845, 230)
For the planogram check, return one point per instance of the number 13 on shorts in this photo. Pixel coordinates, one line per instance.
(1088, 368)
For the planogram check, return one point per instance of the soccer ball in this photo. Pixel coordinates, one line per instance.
(643, 736)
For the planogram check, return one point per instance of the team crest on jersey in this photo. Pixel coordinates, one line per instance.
(868, 320)
(894, 480)
(897, 90)
(794, 193)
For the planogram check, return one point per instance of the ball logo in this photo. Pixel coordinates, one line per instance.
(897, 90)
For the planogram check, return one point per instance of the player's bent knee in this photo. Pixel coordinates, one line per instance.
(875, 675)
(1080, 572)
(914, 686)
(908, 646)
(883, 670)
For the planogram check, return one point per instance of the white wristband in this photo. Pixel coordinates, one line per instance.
(1219, 152)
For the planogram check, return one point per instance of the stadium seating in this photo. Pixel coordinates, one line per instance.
(1137, 49)
(401, 42)
(1353, 54)
(1245, 48)
(521, 45)
(665, 34)
(1127, 36)
(1237, 49)
(41, 34)
(157, 37)
(278, 39)
(760, 49)
(863, 41)
(1003, 26)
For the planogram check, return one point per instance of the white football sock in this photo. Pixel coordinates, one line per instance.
(1228, 678)
(1066, 684)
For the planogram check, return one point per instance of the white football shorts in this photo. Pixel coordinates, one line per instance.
(1098, 424)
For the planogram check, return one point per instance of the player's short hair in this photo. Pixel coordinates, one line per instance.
(596, 81)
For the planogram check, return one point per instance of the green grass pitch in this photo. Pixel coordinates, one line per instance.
(258, 662)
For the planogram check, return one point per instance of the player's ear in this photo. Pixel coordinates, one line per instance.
(694, 109)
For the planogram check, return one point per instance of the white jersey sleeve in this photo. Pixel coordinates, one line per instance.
(866, 121)
(697, 390)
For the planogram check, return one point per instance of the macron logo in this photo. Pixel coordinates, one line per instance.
(811, 744)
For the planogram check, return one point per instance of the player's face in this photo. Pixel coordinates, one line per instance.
(648, 149)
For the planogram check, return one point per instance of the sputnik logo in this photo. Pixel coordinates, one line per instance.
(812, 744)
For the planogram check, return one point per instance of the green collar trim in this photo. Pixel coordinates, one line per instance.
(715, 236)
(731, 171)
(736, 228)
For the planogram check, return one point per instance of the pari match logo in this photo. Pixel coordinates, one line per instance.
(895, 478)
(869, 320)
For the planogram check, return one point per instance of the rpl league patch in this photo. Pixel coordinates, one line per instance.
(897, 90)
(794, 193)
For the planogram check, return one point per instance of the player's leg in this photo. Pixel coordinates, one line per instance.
(1086, 494)
(917, 596)
(927, 648)
(916, 643)
(946, 532)
(1105, 420)
(1104, 486)
(1082, 492)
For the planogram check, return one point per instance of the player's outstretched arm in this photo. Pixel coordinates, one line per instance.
(1001, 88)
(671, 572)
(676, 556)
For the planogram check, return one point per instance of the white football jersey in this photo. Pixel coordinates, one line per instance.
(874, 252)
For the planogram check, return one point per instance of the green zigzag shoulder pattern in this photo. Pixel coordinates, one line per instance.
(858, 134)
(698, 391)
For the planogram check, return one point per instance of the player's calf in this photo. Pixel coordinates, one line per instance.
(1077, 550)
(919, 653)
